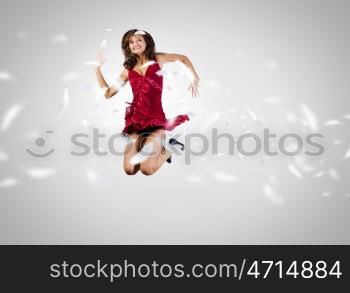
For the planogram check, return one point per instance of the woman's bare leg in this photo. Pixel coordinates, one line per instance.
(131, 149)
(159, 153)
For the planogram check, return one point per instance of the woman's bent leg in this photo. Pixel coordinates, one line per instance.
(131, 149)
(159, 154)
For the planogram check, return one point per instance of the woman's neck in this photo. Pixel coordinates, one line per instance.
(141, 60)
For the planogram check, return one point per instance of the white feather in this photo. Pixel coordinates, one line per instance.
(40, 173)
(310, 117)
(294, 171)
(5, 75)
(272, 196)
(332, 122)
(10, 116)
(103, 44)
(7, 182)
(65, 102)
(224, 177)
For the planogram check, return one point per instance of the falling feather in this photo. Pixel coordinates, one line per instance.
(332, 122)
(40, 173)
(294, 171)
(347, 155)
(3, 156)
(5, 75)
(118, 84)
(7, 182)
(103, 44)
(333, 174)
(92, 175)
(272, 196)
(319, 174)
(10, 116)
(87, 124)
(93, 63)
(223, 177)
(252, 114)
(273, 179)
(310, 117)
(148, 64)
(186, 70)
(95, 178)
(60, 38)
(65, 102)
(162, 73)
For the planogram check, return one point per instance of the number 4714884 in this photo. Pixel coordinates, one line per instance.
(306, 269)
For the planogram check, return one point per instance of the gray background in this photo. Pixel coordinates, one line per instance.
(285, 61)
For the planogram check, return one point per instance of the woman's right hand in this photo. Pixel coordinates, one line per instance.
(100, 60)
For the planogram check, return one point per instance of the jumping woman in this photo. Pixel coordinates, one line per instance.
(145, 121)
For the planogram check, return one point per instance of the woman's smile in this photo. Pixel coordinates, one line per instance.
(137, 44)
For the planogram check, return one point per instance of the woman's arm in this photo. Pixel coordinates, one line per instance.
(110, 90)
(165, 58)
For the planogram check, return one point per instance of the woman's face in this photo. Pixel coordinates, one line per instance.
(137, 44)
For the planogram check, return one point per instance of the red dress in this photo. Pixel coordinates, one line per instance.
(145, 111)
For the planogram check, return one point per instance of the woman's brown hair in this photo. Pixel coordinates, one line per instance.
(130, 58)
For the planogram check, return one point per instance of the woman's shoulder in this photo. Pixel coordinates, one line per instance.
(124, 75)
(160, 59)
(160, 56)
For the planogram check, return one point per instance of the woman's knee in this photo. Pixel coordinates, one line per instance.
(147, 169)
(130, 170)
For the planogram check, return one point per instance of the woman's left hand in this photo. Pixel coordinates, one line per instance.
(194, 86)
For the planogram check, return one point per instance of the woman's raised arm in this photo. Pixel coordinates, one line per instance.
(110, 90)
(166, 57)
